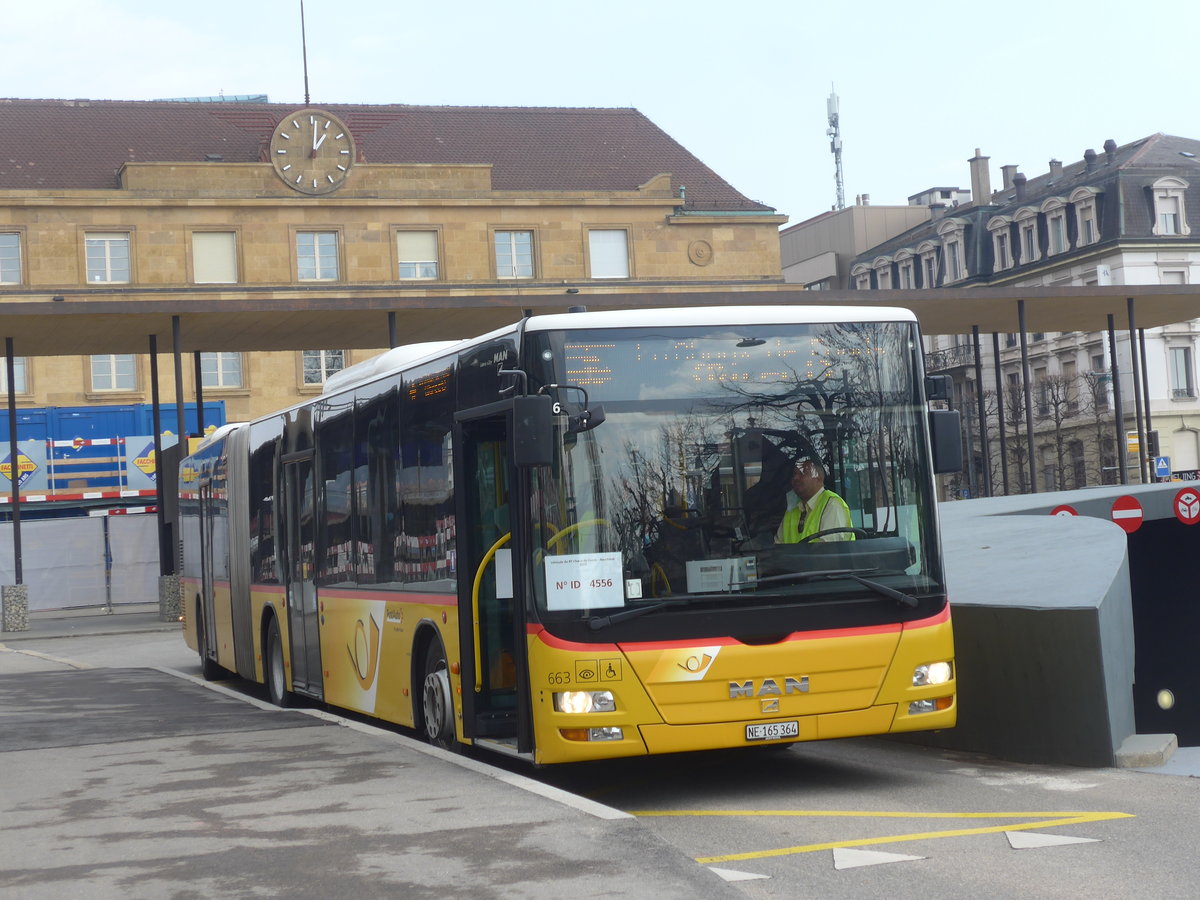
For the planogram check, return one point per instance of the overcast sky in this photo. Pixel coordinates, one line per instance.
(742, 85)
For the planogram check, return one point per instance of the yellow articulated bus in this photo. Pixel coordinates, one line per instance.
(593, 534)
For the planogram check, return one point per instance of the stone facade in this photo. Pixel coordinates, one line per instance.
(157, 207)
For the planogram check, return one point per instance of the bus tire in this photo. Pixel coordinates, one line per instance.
(437, 705)
(209, 669)
(276, 672)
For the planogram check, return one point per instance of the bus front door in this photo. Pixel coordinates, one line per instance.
(492, 617)
(299, 571)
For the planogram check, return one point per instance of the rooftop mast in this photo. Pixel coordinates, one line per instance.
(835, 147)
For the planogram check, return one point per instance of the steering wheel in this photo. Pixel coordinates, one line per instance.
(857, 532)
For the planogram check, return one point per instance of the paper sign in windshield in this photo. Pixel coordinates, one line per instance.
(584, 581)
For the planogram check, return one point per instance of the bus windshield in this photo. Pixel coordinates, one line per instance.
(687, 497)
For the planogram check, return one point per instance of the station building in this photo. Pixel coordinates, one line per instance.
(219, 203)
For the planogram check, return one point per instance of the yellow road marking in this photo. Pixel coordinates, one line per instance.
(1045, 820)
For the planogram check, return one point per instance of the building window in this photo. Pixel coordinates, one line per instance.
(1028, 236)
(320, 364)
(1041, 391)
(1056, 224)
(1086, 223)
(20, 380)
(221, 370)
(417, 252)
(904, 269)
(1170, 216)
(10, 259)
(107, 258)
(952, 233)
(927, 253)
(1183, 373)
(114, 372)
(514, 254)
(1003, 253)
(214, 257)
(883, 274)
(608, 253)
(862, 279)
(316, 256)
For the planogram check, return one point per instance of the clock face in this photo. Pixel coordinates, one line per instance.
(312, 151)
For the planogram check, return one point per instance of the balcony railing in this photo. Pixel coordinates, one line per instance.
(950, 358)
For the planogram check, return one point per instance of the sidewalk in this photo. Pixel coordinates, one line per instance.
(90, 620)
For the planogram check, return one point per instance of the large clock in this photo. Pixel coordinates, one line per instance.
(312, 151)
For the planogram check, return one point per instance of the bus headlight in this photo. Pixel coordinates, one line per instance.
(933, 673)
(584, 701)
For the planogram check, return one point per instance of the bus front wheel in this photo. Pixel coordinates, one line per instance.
(276, 672)
(436, 703)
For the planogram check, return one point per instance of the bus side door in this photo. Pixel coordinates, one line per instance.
(491, 545)
(299, 543)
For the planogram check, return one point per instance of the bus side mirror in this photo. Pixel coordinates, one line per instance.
(533, 431)
(938, 387)
(945, 438)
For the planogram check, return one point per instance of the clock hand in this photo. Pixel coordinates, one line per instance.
(317, 143)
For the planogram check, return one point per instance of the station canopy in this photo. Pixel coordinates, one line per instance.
(84, 323)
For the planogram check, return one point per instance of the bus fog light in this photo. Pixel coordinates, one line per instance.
(605, 734)
(933, 673)
(927, 706)
(584, 701)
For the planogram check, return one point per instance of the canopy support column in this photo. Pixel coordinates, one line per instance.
(985, 452)
(1136, 365)
(14, 598)
(1118, 407)
(1028, 398)
(1000, 411)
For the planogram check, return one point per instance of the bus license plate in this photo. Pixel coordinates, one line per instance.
(771, 731)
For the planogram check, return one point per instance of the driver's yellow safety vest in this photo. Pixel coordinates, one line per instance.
(791, 530)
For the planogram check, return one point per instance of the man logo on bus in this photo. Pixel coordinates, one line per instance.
(768, 688)
(364, 653)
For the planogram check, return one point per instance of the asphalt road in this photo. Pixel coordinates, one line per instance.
(862, 818)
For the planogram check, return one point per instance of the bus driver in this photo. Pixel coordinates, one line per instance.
(812, 508)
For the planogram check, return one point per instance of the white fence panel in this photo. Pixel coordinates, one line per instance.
(62, 561)
(134, 544)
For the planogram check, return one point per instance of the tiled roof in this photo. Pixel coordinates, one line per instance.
(73, 144)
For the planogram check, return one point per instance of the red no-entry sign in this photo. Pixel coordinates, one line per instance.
(1064, 510)
(1187, 506)
(1127, 513)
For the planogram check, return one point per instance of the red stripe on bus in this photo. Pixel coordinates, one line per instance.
(540, 632)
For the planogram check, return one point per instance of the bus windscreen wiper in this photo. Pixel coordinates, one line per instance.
(907, 600)
(597, 622)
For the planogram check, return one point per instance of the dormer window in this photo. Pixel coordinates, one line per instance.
(1170, 217)
(861, 276)
(1087, 221)
(883, 273)
(1055, 210)
(953, 249)
(927, 253)
(1000, 227)
(1027, 232)
(905, 270)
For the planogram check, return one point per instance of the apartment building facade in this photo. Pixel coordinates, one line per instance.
(1129, 215)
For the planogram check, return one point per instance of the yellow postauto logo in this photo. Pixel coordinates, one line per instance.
(364, 652)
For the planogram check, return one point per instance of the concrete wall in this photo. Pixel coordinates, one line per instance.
(1044, 616)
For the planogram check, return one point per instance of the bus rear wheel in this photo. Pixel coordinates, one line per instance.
(276, 674)
(437, 705)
